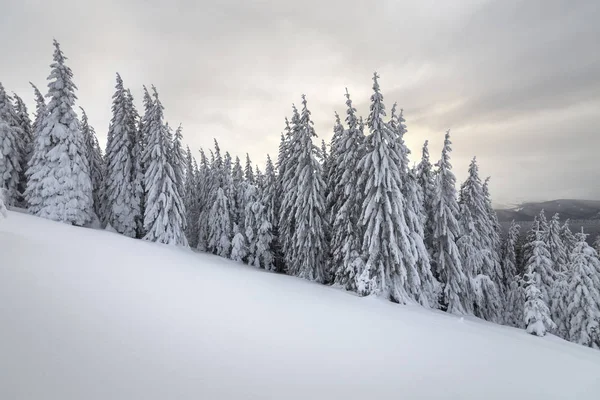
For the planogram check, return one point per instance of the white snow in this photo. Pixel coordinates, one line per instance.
(91, 314)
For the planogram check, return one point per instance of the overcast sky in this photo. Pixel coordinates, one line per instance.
(517, 82)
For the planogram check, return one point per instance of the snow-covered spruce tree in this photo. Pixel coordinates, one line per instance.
(539, 262)
(308, 247)
(556, 247)
(426, 179)
(559, 304)
(509, 253)
(178, 160)
(332, 171)
(513, 283)
(220, 229)
(270, 199)
(252, 208)
(239, 247)
(40, 114)
(477, 229)
(238, 193)
(24, 122)
(289, 154)
(203, 184)
(494, 242)
(385, 242)
(446, 231)
(191, 198)
(164, 221)
(584, 295)
(535, 311)
(11, 149)
(420, 283)
(219, 222)
(248, 171)
(120, 182)
(139, 150)
(263, 251)
(94, 157)
(515, 301)
(347, 149)
(568, 239)
(59, 185)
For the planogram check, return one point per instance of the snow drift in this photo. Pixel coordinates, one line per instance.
(94, 315)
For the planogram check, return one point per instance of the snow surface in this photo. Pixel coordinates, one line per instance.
(89, 314)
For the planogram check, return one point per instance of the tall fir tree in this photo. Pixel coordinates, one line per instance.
(248, 171)
(120, 183)
(308, 243)
(220, 226)
(426, 179)
(420, 283)
(479, 250)
(59, 185)
(584, 295)
(11, 150)
(385, 240)
(164, 221)
(568, 238)
(289, 155)
(556, 247)
(96, 162)
(204, 188)
(239, 185)
(347, 150)
(446, 231)
(191, 198)
(536, 310)
(271, 200)
(24, 122)
(31, 172)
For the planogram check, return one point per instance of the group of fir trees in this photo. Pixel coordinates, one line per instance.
(556, 287)
(54, 165)
(354, 214)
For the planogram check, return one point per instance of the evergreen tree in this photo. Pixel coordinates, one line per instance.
(120, 182)
(252, 209)
(446, 231)
(59, 185)
(426, 179)
(494, 243)
(385, 242)
(220, 229)
(515, 301)
(31, 172)
(559, 304)
(540, 255)
(308, 245)
(24, 122)
(178, 160)
(568, 239)
(556, 247)
(421, 285)
(164, 221)
(289, 154)
(584, 295)
(271, 201)
(11, 149)
(535, 311)
(143, 133)
(191, 198)
(477, 247)
(537, 286)
(248, 171)
(94, 157)
(509, 253)
(204, 188)
(347, 150)
(238, 193)
(239, 248)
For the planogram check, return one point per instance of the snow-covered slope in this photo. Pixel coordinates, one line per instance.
(93, 315)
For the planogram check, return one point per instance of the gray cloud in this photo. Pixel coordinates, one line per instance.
(517, 81)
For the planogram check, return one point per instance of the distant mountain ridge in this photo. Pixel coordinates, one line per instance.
(567, 208)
